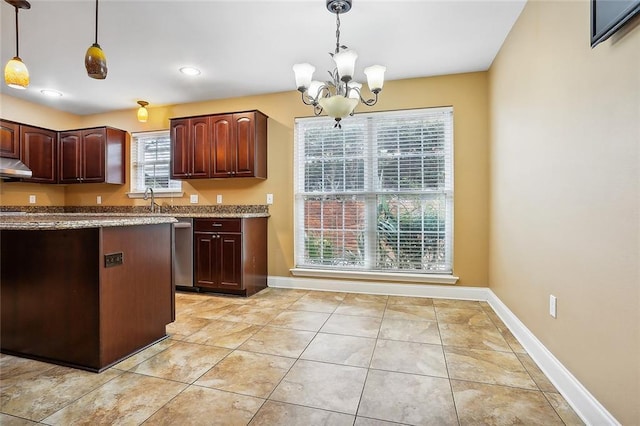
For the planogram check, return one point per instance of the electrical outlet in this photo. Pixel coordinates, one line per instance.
(32, 199)
(113, 259)
(219, 199)
(99, 199)
(269, 198)
(193, 198)
(553, 306)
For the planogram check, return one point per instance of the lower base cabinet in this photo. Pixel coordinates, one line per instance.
(230, 255)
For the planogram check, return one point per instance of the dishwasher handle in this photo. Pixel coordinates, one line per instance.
(182, 225)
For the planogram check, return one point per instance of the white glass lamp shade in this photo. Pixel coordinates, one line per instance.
(375, 77)
(354, 89)
(304, 74)
(314, 89)
(346, 64)
(337, 106)
(16, 74)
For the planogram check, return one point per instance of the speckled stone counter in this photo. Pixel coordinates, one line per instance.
(216, 211)
(48, 221)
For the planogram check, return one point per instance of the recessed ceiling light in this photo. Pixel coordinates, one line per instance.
(190, 71)
(51, 92)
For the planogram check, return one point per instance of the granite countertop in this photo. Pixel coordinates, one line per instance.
(48, 221)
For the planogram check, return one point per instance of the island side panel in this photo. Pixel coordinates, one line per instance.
(136, 297)
(49, 295)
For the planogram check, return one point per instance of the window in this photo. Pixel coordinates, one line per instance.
(151, 162)
(376, 195)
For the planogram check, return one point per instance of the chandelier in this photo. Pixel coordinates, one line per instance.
(339, 96)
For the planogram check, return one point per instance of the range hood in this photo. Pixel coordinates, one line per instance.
(13, 168)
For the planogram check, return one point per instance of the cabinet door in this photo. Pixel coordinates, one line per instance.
(92, 155)
(179, 149)
(206, 252)
(9, 140)
(200, 146)
(69, 157)
(244, 149)
(222, 147)
(39, 153)
(230, 261)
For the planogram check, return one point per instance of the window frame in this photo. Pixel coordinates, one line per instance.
(137, 192)
(369, 192)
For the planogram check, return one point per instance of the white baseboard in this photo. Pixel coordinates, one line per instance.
(581, 400)
(380, 287)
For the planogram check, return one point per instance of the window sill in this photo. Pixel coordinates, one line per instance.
(380, 276)
(157, 194)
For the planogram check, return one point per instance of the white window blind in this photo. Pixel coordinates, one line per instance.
(376, 195)
(150, 162)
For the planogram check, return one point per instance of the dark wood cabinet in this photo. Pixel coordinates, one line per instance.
(39, 153)
(190, 147)
(92, 156)
(235, 145)
(9, 139)
(231, 255)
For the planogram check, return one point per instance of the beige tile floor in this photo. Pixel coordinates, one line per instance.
(293, 357)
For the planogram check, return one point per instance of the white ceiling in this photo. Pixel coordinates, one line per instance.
(242, 47)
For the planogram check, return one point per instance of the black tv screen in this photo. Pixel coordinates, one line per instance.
(607, 16)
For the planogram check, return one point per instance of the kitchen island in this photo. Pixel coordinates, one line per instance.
(84, 290)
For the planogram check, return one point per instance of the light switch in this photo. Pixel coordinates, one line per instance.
(269, 198)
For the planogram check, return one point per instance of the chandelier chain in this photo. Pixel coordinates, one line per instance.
(338, 31)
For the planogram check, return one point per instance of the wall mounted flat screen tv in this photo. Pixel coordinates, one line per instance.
(608, 16)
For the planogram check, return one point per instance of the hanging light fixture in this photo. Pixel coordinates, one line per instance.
(340, 96)
(16, 74)
(143, 114)
(95, 60)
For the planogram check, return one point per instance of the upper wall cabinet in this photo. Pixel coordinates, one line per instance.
(92, 156)
(225, 145)
(9, 139)
(190, 148)
(39, 147)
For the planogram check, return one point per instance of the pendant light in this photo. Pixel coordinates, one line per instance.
(16, 74)
(94, 60)
(143, 114)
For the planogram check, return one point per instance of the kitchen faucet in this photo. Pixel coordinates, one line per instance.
(146, 197)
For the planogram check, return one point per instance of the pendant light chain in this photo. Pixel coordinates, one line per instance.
(17, 34)
(96, 22)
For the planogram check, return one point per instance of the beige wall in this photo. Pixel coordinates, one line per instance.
(565, 189)
(467, 93)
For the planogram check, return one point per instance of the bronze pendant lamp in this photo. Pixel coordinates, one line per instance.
(16, 74)
(95, 60)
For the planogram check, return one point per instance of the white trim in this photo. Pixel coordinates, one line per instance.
(368, 275)
(581, 400)
(380, 287)
(586, 406)
(157, 194)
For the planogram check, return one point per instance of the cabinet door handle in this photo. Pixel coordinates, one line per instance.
(216, 224)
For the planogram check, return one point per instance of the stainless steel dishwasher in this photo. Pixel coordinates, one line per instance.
(183, 254)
